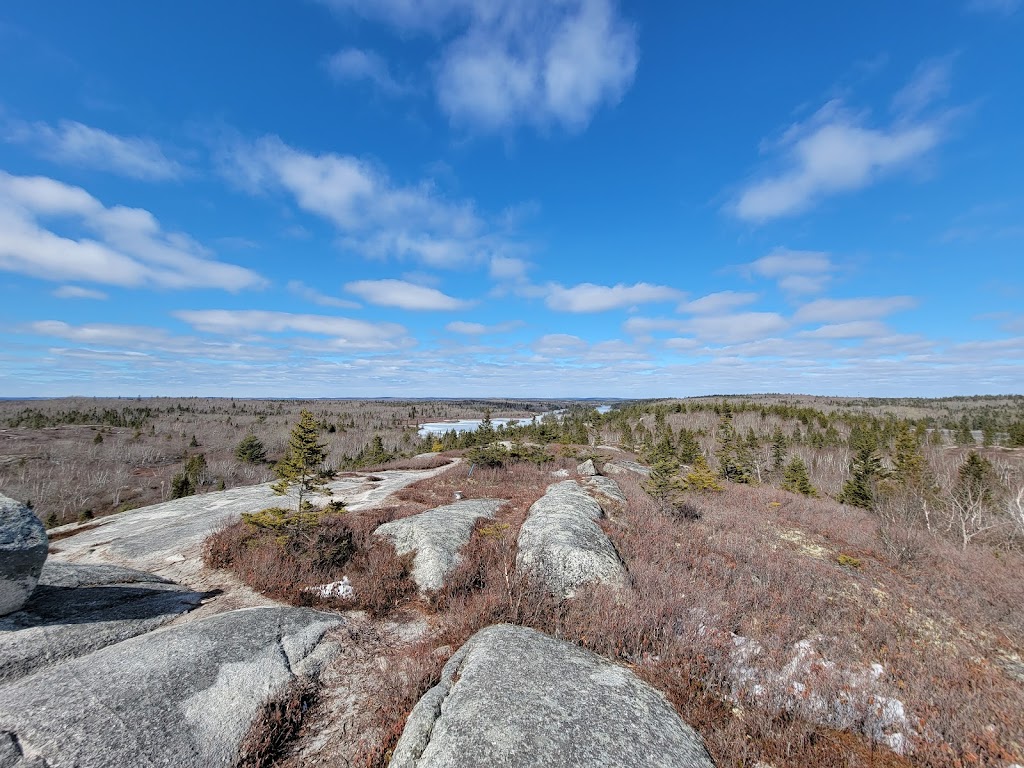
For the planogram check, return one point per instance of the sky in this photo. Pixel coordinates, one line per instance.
(537, 198)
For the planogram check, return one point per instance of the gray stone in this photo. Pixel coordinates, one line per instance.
(152, 537)
(562, 546)
(517, 698)
(621, 466)
(587, 468)
(605, 490)
(23, 547)
(77, 609)
(180, 696)
(436, 536)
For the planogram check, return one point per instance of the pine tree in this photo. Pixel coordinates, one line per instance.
(796, 480)
(250, 450)
(975, 478)
(687, 448)
(300, 466)
(778, 449)
(734, 460)
(700, 478)
(664, 479)
(964, 436)
(909, 460)
(866, 468)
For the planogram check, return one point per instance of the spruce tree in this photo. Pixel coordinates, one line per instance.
(859, 489)
(300, 466)
(796, 480)
(687, 448)
(250, 450)
(664, 479)
(778, 449)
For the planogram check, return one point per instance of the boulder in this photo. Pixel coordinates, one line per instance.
(562, 546)
(606, 490)
(621, 466)
(515, 697)
(23, 547)
(76, 609)
(436, 536)
(182, 696)
(586, 469)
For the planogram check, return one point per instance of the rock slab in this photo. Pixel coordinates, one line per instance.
(436, 536)
(517, 698)
(23, 547)
(76, 609)
(562, 546)
(182, 696)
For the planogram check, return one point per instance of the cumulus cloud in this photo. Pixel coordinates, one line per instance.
(588, 297)
(345, 332)
(479, 329)
(404, 295)
(836, 150)
(354, 64)
(509, 62)
(306, 293)
(718, 303)
(796, 272)
(78, 292)
(376, 216)
(87, 147)
(731, 329)
(855, 329)
(127, 246)
(834, 311)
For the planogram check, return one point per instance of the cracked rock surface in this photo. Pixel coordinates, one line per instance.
(515, 697)
(436, 536)
(561, 544)
(77, 609)
(23, 546)
(182, 696)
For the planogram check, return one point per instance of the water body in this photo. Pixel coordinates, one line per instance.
(471, 425)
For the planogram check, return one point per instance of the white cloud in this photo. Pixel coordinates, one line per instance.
(929, 84)
(399, 293)
(855, 329)
(835, 151)
(509, 62)
(376, 216)
(98, 333)
(587, 297)
(354, 64)
(559, 345)
(128, 247)
(508, 269)
(717, 303)
(796, 272)
(314, 296)
(81, 145)
(834, 311)
(77, 292)
(732, 329)
(479, 329)
(346, 332)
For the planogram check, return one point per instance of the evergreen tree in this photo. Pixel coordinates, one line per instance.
(963, 434)
(734, 460)
(975, 478)
(865, 470)
(796, 480)
(300, 466)
(1015, 432)
(700, 478)
(250, 450)
(778, 449)
(664, 479)
(909, 460)
(687, 448)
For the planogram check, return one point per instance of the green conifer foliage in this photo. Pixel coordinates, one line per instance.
(301, 464)
(796, 480)
(865, 470)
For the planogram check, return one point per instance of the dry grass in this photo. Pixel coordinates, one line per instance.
(938, 628)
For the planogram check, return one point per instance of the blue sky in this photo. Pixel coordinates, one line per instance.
(512, 197)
